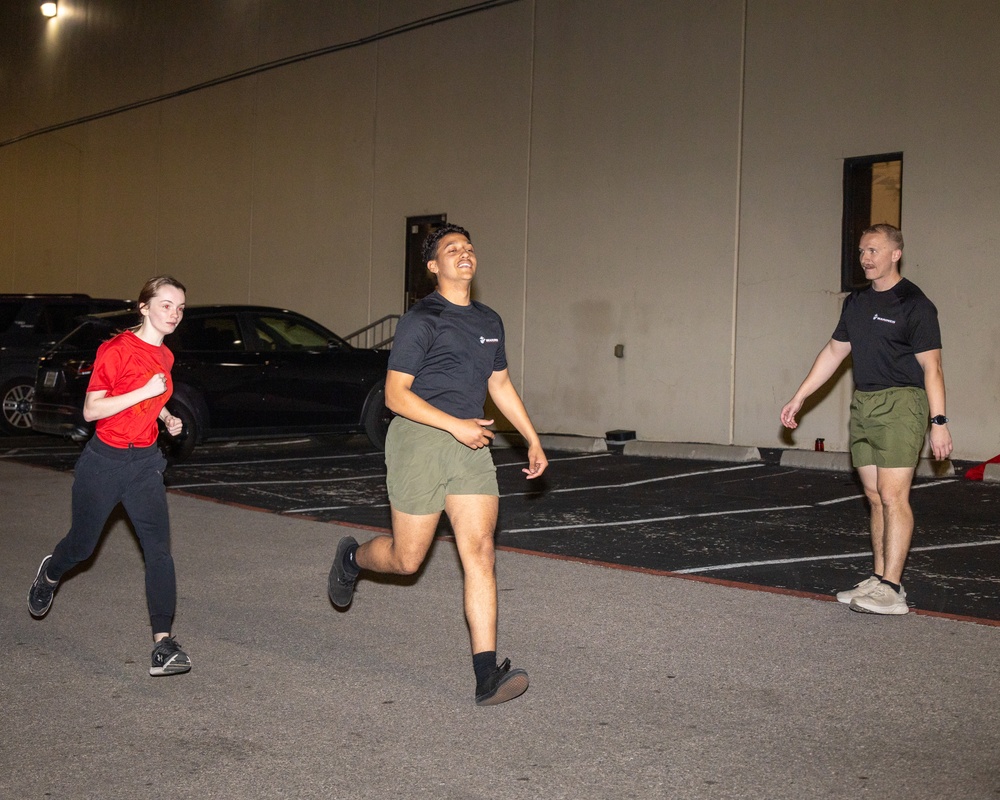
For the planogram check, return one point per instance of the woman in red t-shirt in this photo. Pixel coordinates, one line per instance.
(122, 463)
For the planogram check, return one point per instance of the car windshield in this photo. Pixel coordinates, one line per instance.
(282, 332)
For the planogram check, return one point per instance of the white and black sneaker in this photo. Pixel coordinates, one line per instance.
(169, 659)
(41, 592)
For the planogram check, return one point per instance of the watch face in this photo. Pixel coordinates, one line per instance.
(940, 419)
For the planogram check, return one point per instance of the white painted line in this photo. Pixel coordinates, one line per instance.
(841, 500)
(51, 451)
(836, 556)
(576, 489)
(624, 522)
(321, 508)
(276, 483)
(637, 483)
(198, 465)
(557, 458)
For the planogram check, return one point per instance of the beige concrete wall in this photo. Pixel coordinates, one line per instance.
(635, 136)
(628, 179)
(852, 80)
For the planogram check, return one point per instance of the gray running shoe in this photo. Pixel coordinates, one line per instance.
(41, 592)
(866, 587)
(340, 584)
(168, 658)
(502, 685)
(882, 600)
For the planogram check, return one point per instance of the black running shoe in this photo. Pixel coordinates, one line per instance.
(168, 658)
(41, 592)
(340, 585)
(502, 685)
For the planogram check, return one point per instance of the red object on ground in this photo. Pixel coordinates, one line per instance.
(976, 473)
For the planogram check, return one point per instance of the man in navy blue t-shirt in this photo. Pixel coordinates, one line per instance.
(890, 330)
(447, 353)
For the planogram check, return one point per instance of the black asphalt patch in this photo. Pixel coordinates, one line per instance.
(758, 524)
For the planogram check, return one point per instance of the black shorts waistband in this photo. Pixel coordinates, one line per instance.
(110, 451)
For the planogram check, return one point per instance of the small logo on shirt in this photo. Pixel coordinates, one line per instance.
(484, 340)
(877, 318)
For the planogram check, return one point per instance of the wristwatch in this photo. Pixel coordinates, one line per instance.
(940, 419)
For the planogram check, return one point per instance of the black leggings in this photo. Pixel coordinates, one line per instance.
(133, 476)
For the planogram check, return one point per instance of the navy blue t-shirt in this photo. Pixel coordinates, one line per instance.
(886, 330)
(451, 351)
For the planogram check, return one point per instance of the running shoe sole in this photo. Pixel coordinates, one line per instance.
(513, 684)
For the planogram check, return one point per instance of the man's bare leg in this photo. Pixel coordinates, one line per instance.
(894, 490)
(888, 492)
(876, 515)
(473, 518)
(404, 551)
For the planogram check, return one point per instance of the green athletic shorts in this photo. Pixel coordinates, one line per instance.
(888, 427)
(424, 465)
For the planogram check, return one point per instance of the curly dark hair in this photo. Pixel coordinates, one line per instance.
(429, 250)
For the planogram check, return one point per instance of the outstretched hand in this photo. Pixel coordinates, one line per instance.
(537, 462)
(792, 407)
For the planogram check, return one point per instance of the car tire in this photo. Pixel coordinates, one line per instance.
(180, 447)
(376, 416)
(16, 396)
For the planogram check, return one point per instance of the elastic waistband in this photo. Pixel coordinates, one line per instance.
(132, 451)
(891, 390)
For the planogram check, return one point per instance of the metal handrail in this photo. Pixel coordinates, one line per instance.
(376, 336)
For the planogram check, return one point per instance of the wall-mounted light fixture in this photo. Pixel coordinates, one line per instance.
(50, 9)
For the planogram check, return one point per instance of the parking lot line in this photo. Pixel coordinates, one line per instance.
(277, 483)
(833, 557)
(629, 522)
(627, 484)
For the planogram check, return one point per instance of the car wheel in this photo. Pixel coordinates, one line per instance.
(377, 417)
(178, 448)
(16, 396)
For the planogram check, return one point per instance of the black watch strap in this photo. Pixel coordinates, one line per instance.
(940, 419)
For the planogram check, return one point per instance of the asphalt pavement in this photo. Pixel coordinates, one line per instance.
(645, 682)
(757, 523)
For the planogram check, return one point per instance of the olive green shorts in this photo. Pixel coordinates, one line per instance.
(424, 465)
(888, 427)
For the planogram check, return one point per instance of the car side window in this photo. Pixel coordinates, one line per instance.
(208, 334)
(8, 313)
(288, 333)
(55, 320)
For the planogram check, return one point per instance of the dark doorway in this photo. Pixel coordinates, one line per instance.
(873, 192)
(419, 282)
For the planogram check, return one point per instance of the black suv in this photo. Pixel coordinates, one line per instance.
(29, 325)
(239, 371)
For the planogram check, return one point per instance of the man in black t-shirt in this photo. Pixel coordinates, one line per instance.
(891, 331)
(447, 353)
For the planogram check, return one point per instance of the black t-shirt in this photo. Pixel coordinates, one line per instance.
(451, 351)
(886, 330)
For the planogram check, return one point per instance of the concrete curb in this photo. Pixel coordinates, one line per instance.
(692, 450)
(805, 459)
(841, 462)
(551, 441)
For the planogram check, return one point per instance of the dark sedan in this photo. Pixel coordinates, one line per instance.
(239, 371)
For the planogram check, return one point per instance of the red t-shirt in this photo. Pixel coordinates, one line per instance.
(123, 364)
